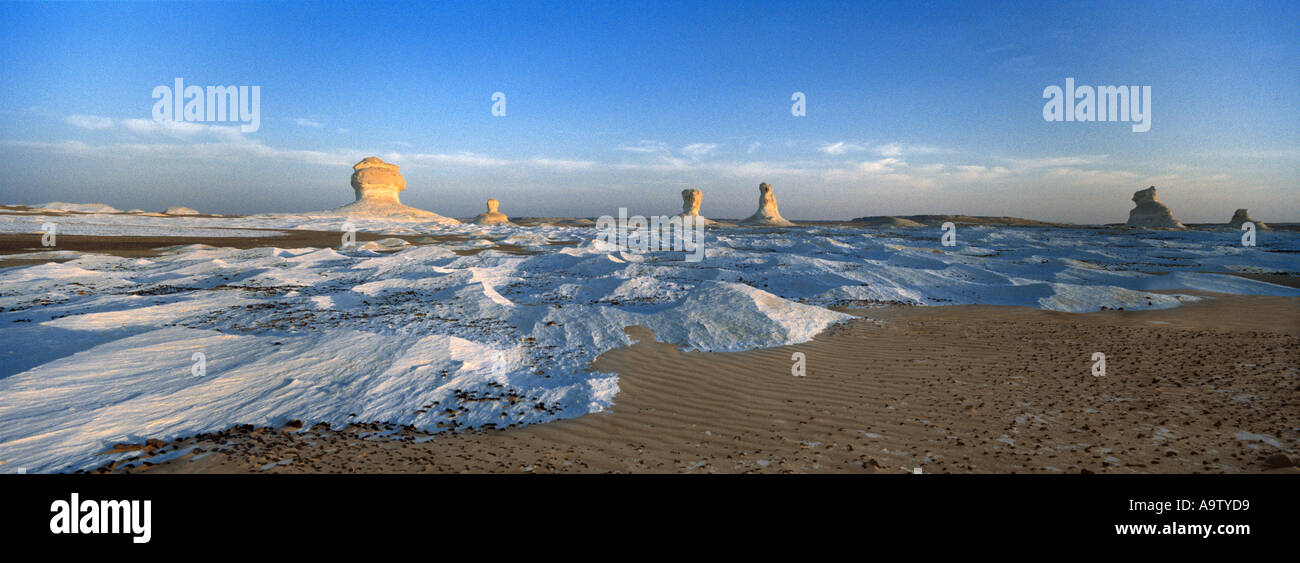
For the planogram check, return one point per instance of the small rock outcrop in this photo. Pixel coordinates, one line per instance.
(376, 184)
(691, 200)
(1241, 216)
(59, 206)
(888, 222)
(1150, 213)
(492, 217)
(767, 214)
(178, 210)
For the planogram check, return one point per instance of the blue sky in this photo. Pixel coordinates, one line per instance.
(910, 109)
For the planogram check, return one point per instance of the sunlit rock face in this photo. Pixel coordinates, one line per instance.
(376, 184)
(691, 200)
(767, 214)
(492, 217)
(377, 180)
(1241, 216)
(1151, 214)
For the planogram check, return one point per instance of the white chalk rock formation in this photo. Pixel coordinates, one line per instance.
(492, 217)
(691, 200)
(178, 210)
(77, 207)
(767, 214)
(1243, 215)
(377, 184)
(1151, 214)
(385, 245)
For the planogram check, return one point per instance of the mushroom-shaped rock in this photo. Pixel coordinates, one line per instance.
(691, 206)
(1150, 213)
(377, 184)
(1242, 216)
(767, 214)
(492, 217)
(375, 179)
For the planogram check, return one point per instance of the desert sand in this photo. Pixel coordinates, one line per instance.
(1205, 387)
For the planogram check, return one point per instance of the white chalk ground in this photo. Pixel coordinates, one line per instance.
(76, 207)
(100, 350)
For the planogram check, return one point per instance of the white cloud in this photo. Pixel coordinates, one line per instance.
(882, 165)
(226, 144)
(1262, 154)
(1056, 161)
(646, 147)
(889, 180)
(900, 149)
(839, 148)
(235, 152)
(182, 129)
(241, 150)
(892, 171)
(864, 169)
(308, 123)
(664, 158)
(892, 149)
(560, 164)
(461, 159)
(473, 160)
(697, 150)
(967, 173)
(89, 121)
(895, 149)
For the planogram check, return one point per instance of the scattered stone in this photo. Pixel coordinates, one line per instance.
(385, 245)
(1279, 461)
